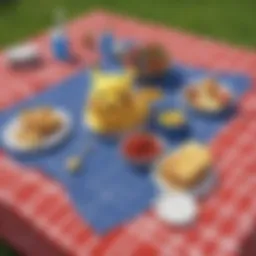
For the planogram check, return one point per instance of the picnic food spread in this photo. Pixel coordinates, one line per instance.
(120, 103)
(107, 193)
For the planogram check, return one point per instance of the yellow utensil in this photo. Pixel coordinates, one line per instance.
(74, 163)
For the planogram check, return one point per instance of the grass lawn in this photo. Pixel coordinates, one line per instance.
(229, 20)
(6, 250)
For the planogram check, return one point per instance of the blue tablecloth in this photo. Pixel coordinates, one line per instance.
(107, 192)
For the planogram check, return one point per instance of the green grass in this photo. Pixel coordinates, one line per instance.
(6, 250)
(228, 20)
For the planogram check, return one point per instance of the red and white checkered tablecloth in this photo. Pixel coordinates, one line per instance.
(36, 215)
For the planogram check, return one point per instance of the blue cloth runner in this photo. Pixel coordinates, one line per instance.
(107, 192)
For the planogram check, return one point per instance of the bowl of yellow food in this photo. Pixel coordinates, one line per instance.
(172, 122)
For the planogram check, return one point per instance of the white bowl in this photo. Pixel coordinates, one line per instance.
(179, 209)
(10, 130)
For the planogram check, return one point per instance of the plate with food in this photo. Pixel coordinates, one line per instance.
(36, 129)
(188, 169)
(209, 96)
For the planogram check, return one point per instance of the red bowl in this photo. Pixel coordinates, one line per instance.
(142, 148)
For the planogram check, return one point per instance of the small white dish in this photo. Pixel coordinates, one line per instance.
(22, 53)
(200, 190)
(11, 128)
(178, 209)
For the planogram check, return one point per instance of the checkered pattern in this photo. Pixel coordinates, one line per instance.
(36, 215)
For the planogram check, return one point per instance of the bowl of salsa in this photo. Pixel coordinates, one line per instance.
(142, 148)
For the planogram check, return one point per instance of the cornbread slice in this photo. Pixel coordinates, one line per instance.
(187, 166)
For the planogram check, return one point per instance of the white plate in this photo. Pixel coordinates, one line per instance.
(178, 209)
(22, 53)
(200, 190)
(10, 141)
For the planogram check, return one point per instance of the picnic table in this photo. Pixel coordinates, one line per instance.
(36, 214)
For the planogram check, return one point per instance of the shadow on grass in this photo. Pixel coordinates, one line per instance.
(7, 5)
(6, 250)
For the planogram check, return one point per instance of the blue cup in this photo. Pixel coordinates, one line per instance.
(106, 45)
(60, 46)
